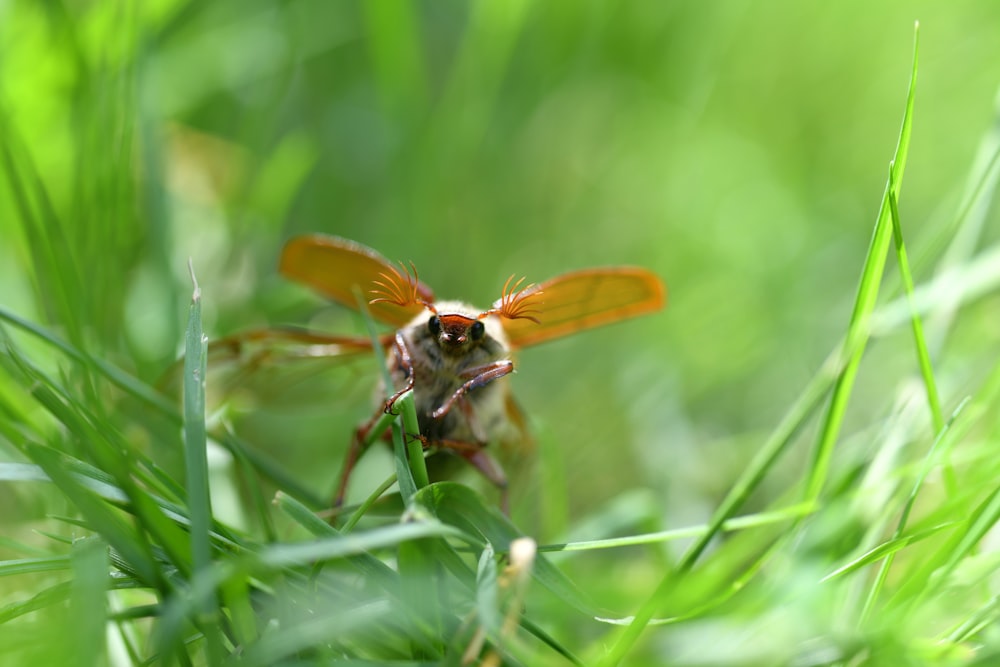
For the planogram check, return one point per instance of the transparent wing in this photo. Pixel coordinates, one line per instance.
(270, 363)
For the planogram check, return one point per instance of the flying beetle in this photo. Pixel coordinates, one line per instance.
(453, 356)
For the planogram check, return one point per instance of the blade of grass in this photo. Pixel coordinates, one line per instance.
(985, 615)
(118, 377)
(372, 567)
(146, 394)
(367, 503)
(933, 457)
(55, 271)
(867, 295)
(923, 355)
(103, 486)
(47, 597)
(31, 565)
(459, 506)
(729, 525)
(318, 630)
(964, 234)
(269, 469)
(851, 352)
(131, 544)
(810, 400)
(260, 462)
(411, 470)
(884, 552)
(88, 599)
(196, 463)
(414, 453)
(103, 445)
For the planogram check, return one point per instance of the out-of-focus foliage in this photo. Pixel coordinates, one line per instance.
(738, 149)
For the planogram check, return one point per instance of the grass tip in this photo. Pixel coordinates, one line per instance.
(196, 293)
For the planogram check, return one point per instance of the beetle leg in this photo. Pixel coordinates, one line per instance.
(477, 377)
(405, 363)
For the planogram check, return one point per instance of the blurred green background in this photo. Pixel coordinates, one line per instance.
(738, 149)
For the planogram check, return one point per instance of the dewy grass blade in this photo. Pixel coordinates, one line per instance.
(196, 457)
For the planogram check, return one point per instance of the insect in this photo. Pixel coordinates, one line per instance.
(453, 356)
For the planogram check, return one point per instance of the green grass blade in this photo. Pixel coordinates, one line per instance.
(112, 476)
(317, 630)
(270, 469)
(368, 502)
(923, 355)
(21, 566)
(47, 597)
(463, 508)
(56, 276)
(883, 552)
(196, 463)
(852, 350)
(372, 567)
(121, 379)
(88, 609)
(780, 440)
(411, 470)
(931, 575)
(791, 513)
(131, 544)
(341, 546)
(487, 595)
(941, 443)
(864, 303)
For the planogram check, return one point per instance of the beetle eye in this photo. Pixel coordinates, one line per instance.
(434, 325)
(477, 330)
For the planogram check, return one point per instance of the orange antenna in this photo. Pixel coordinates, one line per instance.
(398, 287)
(515, 301)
